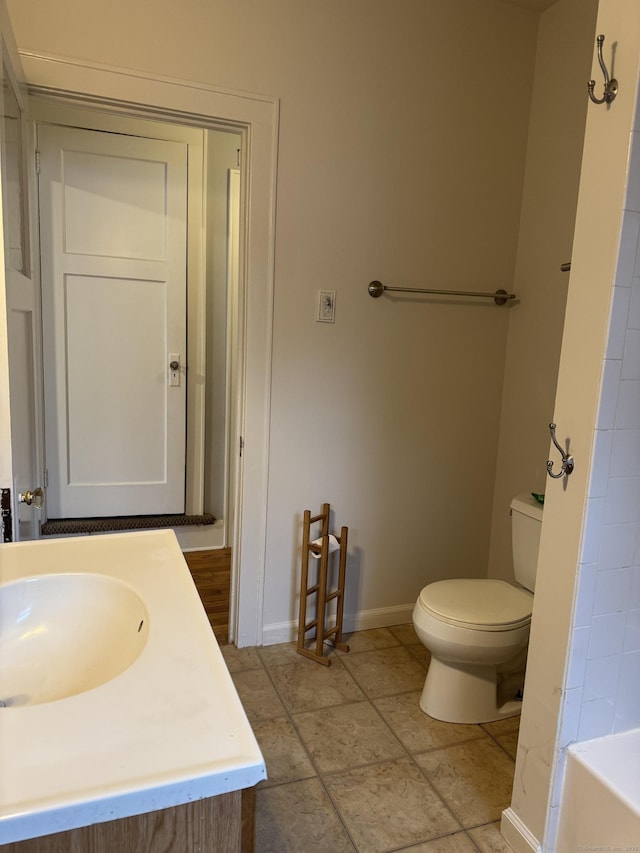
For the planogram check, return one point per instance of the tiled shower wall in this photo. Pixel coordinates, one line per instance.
(603, 682)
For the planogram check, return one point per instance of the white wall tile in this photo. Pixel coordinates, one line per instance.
(633, 321)
(612, 591)
(559, 764)
(622, 503)
(627, 710)
(628, 404)
(631, 356)
(553, 814)
(625, 452)
(611, 369)
(592, 537)
(632, 632)
(585, 592)
(601, 678)
(628, 261)
(633, 187)
(601, 463)
(618, 323)
(596, 719)
(618, 546)
(607, 635)
(634, 594)
(570, 717)
(578, 658)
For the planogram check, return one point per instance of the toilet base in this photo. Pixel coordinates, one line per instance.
(456, 693)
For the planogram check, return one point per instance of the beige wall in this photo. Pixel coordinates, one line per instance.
(399, 160)
(554, 155)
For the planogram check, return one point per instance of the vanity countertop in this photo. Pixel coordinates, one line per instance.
(167, 730)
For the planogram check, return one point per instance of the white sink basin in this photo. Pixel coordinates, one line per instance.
(163, 724)
(63, 634)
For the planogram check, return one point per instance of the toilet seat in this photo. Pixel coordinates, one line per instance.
(480, 604)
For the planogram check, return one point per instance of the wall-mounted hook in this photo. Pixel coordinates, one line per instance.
(567, 465)
(610, 85)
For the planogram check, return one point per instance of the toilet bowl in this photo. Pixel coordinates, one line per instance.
(477, 630)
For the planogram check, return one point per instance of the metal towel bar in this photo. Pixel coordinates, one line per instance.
(500, 297)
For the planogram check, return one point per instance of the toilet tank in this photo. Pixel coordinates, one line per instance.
(526, 525)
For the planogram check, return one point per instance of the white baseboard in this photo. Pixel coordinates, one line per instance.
(517, 834)
(382, 617)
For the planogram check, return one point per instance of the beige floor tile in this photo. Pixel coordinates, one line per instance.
(365, 641)
(389, 805)
(346, 736)
(384, 672)
(279, 654)
(459, 842)
(474, 779)
(406, 634)
(488, 839)
(506, 733)
(298, 818)
(239, 659)
(288, 653)
(305, 685)
(420, 653)
(257, 694)
(415, 729)
(284, 754)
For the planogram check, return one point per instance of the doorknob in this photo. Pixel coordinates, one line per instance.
(174, 369)
(31, 497)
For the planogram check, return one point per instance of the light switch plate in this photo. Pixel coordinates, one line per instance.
(326, 306)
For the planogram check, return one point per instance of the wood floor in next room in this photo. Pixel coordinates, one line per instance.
(211, 573)
(354, 765)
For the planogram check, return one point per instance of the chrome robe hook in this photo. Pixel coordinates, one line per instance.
(567, 464)
(610, 85)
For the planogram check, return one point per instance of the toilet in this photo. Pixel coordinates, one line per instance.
(477, 630)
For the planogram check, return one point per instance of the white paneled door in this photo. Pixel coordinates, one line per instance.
(113, 258)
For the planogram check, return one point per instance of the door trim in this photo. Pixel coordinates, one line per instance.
(257, 117)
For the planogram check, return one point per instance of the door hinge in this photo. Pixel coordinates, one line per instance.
(37, 162)
(241, 446)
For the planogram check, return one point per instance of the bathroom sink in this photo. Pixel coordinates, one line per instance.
(63, 634)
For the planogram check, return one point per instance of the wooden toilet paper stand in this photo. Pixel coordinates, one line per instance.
(316, 597)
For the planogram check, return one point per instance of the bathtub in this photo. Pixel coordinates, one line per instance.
(600, 805)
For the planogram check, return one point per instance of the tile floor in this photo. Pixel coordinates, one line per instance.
(354, 765)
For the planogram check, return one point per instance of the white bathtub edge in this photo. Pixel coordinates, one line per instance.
(613, 761)
(600, 804)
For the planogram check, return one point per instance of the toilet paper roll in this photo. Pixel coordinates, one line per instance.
(334, 545)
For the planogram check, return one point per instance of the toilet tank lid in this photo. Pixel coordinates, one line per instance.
(527, 505)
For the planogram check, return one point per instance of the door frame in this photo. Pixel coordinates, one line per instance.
(257, 118)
